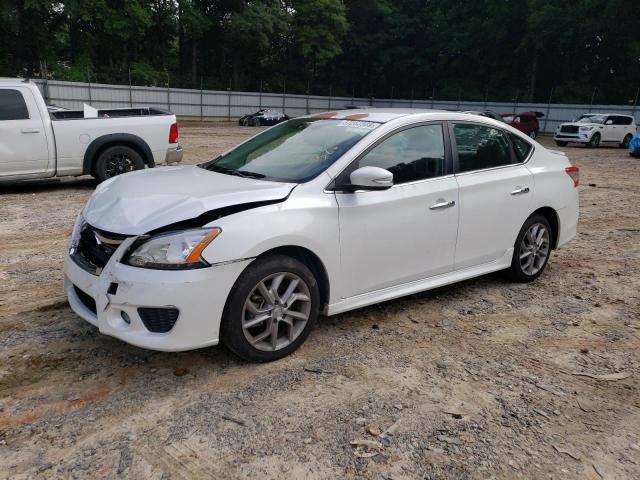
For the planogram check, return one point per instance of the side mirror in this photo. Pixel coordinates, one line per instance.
(609, 122)
(371, 178)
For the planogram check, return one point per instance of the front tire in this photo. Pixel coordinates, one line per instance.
(532, 250)
(117, 160)
(594, 142)
(271, 309)
(256, 122)
(533, 134)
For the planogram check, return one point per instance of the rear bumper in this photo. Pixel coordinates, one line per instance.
(198, 295)
(174, 155)
(568, 219)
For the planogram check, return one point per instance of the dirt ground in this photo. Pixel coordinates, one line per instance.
(483, 379)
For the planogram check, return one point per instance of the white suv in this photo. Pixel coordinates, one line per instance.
(594, 128)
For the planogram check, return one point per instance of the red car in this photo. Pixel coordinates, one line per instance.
(526, 122)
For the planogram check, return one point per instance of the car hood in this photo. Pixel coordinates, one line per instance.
(145, 200)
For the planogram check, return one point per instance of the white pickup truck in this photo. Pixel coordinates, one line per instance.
(38, 143)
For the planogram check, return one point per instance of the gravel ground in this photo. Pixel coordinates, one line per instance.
(483, 379)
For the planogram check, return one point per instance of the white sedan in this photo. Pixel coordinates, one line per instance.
(320, 214)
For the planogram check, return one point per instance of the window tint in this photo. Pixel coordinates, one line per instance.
(412, 154)
(12, 106)
(481, 147)
(619, 120)
(521, 146)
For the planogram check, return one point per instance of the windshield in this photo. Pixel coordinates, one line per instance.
(294, 151)
(591, 119)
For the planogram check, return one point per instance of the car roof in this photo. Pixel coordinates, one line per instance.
(12, 82)
(384, 115)
(604, 113)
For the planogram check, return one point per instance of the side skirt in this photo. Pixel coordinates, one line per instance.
(405, 289)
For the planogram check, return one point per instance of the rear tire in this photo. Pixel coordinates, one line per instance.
(285, 294)
(117, 160)
(561, 144)
(533, 134)
(626, 141)
(532, 250)
(594, 142)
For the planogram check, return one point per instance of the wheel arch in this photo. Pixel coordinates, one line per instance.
(552, 217)
(312, 261)
(97, 146)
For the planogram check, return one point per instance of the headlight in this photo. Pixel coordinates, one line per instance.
(75, 234)
(173, 251)
(585, 129)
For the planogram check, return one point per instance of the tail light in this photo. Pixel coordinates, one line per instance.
(173, 133)
(574, 173)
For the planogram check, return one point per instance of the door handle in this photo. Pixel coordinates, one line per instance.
(520, 191)
(442, 204)
(30, 130)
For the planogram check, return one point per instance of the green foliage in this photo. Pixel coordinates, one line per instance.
(319, 26)
(468, 49)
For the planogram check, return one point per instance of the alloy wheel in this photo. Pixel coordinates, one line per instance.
(534, 249)
(276, 311)
(118, 164)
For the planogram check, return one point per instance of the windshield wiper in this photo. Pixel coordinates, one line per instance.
(237, 173)
(244, 173)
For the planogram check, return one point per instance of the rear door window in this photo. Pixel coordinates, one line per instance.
(480, 147)
(620, 120)
(521, 147)
(12, 105)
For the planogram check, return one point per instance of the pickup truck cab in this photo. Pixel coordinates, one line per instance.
(38, 143)
(591, 129)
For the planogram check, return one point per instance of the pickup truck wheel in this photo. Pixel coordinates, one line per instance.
(595, 141)
(117, 160)
(625, 142)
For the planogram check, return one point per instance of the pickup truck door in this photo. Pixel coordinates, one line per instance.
(23, 141)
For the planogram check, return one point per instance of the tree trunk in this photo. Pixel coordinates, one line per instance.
(180, 43)
(194, 63)
(235, 71)
(534, 72)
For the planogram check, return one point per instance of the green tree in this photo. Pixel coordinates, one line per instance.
(318, 29)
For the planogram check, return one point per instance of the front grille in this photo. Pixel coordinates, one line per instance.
(95, 248)
(158, 320)
(569, 129)
(86, 299)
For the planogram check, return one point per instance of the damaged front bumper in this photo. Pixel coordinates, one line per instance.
(118, 301)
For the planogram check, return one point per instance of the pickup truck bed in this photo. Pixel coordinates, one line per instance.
(109, 113)
(36, 143)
